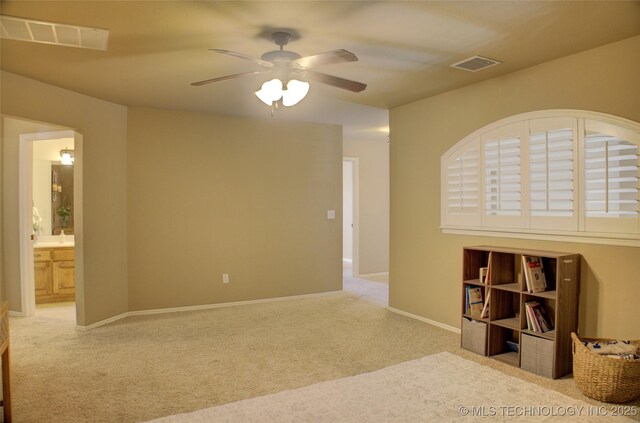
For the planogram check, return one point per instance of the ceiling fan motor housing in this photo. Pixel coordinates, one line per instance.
(281, 38)
(280, 55)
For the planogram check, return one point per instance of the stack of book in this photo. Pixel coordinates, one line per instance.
(537, 318)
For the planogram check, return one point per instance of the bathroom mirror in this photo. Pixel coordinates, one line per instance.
(61, 199)
(52, 188)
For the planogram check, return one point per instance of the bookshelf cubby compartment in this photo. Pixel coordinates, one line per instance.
(473, 285)
(548, 304)
(504, 331)
(499, 347)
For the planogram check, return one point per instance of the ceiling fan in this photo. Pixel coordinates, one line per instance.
(288, 69)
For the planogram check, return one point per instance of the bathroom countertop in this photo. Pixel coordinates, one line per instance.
(53, 244)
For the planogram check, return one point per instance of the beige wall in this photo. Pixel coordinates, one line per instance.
(209, 195)
(103, 126)
(425, 265)
(373, 164)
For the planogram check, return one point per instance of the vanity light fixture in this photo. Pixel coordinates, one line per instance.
(66, 157)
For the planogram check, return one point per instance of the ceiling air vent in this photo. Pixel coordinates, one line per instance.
(475, 63)
(53, 33)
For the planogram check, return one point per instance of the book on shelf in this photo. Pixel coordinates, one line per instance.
(531, 319)
(542, 321)
(474, 301)
(487, 277)
(534, 274)
(526, 274)
(513, 346)
(537, 319)
(483, 275)
(485, 310)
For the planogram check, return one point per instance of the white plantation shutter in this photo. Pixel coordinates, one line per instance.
(610, 179)
(502, 177)
(552, 174)
(611, 173)
(463, 187)
(557, 172)
(463, 183)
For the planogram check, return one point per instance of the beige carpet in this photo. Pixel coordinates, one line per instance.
(148, 367)
(439, 387)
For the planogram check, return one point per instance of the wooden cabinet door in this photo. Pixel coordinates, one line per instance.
(64, 277)
(43, 281)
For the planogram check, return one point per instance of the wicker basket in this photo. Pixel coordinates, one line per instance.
(604, 378)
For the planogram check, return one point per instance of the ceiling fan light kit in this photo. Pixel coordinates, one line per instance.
(296, 91)
(272, 92)
(288, 67)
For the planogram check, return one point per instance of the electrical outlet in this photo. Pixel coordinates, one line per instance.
(225, 278)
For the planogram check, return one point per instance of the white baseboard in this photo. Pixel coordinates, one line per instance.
(232, 304)
(16, 313)
(103, 322)
(202, 307)
(424, 319)
(372, 275)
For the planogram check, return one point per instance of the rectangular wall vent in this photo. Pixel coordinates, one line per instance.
(475, 63)
(53, 33)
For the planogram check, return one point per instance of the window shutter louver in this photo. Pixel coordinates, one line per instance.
(461, 196)
(463, 183)
(611, 177)
(502, 185)
(551, 173)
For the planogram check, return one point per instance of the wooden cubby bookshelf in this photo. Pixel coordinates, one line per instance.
(544, 353)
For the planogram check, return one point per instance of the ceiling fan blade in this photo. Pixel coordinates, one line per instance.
(326, 58)
(222, 78)
(334, 81)
(244, 56)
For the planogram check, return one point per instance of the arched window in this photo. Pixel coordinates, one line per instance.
(556, 174)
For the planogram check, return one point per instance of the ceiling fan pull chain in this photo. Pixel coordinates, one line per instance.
(274, 106)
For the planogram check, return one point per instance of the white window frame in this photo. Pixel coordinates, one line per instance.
(575, 228)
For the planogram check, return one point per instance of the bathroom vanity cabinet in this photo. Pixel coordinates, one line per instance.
(54, 274)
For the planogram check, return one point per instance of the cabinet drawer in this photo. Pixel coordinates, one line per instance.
(40, 254)
(63, 254)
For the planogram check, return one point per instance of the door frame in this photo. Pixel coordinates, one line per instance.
(356, 213)
(25, 195)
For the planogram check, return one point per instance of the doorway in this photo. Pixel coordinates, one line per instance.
(53, 227)
(373, 287)
(350, 216)
(50, 205)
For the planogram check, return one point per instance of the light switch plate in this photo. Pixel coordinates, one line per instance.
(331, 214)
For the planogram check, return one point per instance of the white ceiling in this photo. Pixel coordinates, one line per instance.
(157, 48)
